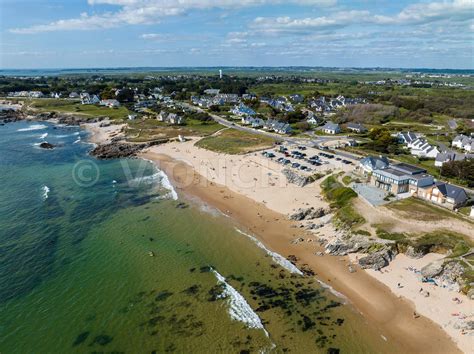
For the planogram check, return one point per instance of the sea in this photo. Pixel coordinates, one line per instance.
(105, 256)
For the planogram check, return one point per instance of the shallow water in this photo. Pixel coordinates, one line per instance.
(77, 272)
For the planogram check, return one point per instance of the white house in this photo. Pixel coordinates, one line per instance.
(110, 103)
(88, 99)
(421, 148)
(74, 95)
(463, 142)
(331, 128)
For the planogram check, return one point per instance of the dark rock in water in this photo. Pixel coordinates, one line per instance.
(162, 296)
(376, 260)
(46, 145)
(80, 338)
(103, 340)
(182, 205)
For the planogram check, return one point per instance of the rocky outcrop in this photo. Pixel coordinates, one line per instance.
(451, 275)
(46, 145)
(11, 115)
(342, 246)
(376, 260)
(433, 269)
(295, 178)
(308, 214)
(412, 253)
(117, 150)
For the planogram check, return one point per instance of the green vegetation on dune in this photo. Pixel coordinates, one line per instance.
(340, 197)
(142, 130)
(75, 107)
(336, 193)
(232, 141)
(421, 210)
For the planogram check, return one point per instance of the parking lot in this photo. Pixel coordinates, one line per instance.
(307, 160)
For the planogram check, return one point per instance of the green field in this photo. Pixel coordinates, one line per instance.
(232, 141)
(142, 130)
(75, 107)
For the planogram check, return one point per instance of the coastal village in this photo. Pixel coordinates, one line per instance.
(365, 192)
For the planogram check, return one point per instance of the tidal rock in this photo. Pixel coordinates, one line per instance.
(308, 214)
(46, 145)
(377, 260)
(295, 178)
(343, 246)
(433, 269)
(452, 275)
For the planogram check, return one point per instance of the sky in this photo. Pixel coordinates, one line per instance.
(163, 33)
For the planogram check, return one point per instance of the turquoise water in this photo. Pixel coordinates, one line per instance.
(96, 256)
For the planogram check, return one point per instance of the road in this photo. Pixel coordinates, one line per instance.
(288, 139)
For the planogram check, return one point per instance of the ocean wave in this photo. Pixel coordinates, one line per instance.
(239, 309)
(43, 136)
(78, 140)
(33, 127)
(62, 136)
(165, 182)
(332, 290)
(45, 189)
(277, 258)
(158, 177)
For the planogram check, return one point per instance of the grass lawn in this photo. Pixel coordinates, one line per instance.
(232, 141)
(87, 110)
(142, 130)
(420, 210)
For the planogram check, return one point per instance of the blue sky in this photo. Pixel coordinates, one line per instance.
(111, 33)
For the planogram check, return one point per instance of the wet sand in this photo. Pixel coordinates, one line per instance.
(390, 316)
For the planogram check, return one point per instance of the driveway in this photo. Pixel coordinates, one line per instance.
(370, 193)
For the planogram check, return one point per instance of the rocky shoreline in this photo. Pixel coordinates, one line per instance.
(377, 254)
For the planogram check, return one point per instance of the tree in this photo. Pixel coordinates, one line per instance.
(125, 95)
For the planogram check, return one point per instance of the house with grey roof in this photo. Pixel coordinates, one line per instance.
(331, 128)
(420, 147)
(406, 137)
(400, 178)
(444, 194)
(368, 164)
(356, 127)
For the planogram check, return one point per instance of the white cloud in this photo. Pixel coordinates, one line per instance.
(458, 10)
(289, 25)
(155, 36)
(134, 12)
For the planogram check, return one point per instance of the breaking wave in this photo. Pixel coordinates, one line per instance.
(277, 258)
(45, 189)
(43, 136)
(33, 127)
(239, 309)
(157, 177)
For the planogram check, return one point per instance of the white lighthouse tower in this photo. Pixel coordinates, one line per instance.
(220, 74)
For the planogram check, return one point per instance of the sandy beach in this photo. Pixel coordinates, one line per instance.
(253, 191)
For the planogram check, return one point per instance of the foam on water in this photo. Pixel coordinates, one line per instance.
(239, 309)
(157, 177)
(332, 290)
(45, 192)
(165, 182)
(33, 127)
(43, 136)
(277, 258)
(77, 141)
